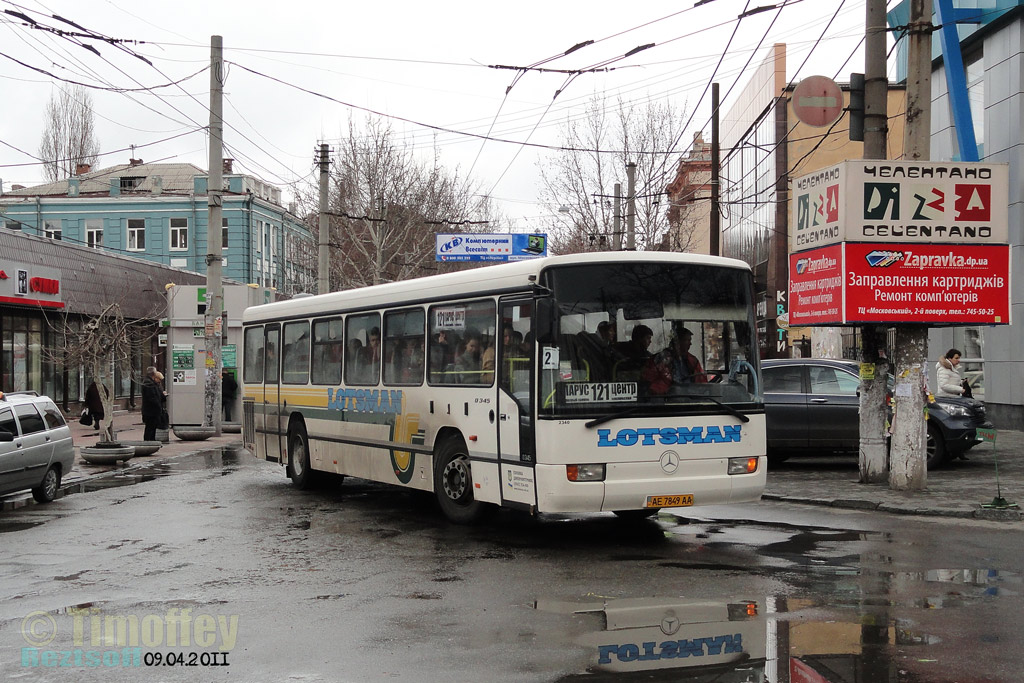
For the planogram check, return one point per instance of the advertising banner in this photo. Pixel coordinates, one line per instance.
(816, 287)
(30, 285)
(935, 284)
(490, 247)
(900, 201)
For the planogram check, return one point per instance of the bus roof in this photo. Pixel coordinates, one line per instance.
(505, 277)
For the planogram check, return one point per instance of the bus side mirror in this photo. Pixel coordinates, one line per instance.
(545, 320)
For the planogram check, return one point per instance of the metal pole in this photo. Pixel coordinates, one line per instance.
(714, 247)
(908, 460)
(324, 252)
(617, 218)
(214, 202)
(631, 206)
(873, 461)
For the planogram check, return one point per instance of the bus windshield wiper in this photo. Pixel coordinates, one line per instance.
(724, 406)
(613, 416)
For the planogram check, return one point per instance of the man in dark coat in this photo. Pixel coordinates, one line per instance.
(228, 393)
(95, 404)
(152, 404)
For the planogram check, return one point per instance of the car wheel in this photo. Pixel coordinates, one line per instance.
(47, 490)
(935, 447)
(453, 484)
(298, 457)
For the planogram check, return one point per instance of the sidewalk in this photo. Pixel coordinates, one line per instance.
(957, 490)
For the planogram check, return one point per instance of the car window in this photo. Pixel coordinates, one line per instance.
(825, 380)
(7, 422)
(30, 419)
(52, 416)
(784, 379)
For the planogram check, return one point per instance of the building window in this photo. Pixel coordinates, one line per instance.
(94, 233)
(53, 230)
(974, 68)
(224, 233)
(12, 225)
(179, 234)
(136, 234)
(130, 183)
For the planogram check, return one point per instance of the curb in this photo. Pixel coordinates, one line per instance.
(993, 515)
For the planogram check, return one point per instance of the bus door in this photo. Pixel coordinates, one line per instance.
(272, 392)
(515, 386)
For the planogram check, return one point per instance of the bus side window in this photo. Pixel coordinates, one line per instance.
(328, 350)
(461, 341)
(362, 349)
(252, 372)
(403, 347)
(295, 359)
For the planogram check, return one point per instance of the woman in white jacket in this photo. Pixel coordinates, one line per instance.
(947, 375)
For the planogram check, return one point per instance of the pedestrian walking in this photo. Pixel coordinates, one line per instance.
(947, 375)
(95, 404)
(152, 404)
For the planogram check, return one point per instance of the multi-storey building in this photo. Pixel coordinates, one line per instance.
(158, 212)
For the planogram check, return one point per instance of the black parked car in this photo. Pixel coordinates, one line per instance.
(812, 406)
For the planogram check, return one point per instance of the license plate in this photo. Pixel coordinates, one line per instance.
(670, 501)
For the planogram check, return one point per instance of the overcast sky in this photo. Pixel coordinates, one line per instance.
(421, 64)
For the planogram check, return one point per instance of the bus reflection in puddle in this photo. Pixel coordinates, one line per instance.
(747, 641)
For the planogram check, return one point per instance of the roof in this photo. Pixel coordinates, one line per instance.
(505, 277)
(92, 278)
(174, 178)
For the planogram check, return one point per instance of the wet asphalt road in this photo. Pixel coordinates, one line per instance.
(368, 583)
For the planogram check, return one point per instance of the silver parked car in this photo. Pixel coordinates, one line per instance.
(36, 449)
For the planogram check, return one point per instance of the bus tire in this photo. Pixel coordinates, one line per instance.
(299, 470)
(453, 483)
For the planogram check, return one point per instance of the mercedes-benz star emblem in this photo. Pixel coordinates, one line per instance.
(669, 462)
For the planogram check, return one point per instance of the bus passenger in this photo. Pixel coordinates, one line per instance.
(467, 364)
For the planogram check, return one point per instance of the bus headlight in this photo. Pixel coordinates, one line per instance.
(584, 472)
(742, 465)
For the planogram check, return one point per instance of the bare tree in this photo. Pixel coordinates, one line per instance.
(387, 206)
(69, 136)
(578, 186)
(99, 343)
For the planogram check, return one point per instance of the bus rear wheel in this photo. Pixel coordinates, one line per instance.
(453, 484)
(299, 470)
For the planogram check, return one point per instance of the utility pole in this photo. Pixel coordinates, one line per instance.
(324, 251)
(617, 218)
(873, 460)
(214, 202)
(631, 206)
(714, 248)
(907, 460)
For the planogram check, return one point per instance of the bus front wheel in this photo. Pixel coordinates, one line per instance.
(298, 457)
(453, 484)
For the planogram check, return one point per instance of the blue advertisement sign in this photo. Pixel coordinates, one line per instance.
(490, 247)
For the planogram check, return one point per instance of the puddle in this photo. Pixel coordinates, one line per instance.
(764, 639)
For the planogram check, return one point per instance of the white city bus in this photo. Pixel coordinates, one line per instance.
(520, 385)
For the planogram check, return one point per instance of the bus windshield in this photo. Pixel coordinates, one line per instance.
(647, 338)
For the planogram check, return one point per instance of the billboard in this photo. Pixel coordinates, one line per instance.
(900, 201)
(937, 284)
(490, 247)
(30, 285)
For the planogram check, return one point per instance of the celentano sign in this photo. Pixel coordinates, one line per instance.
(900, 201)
